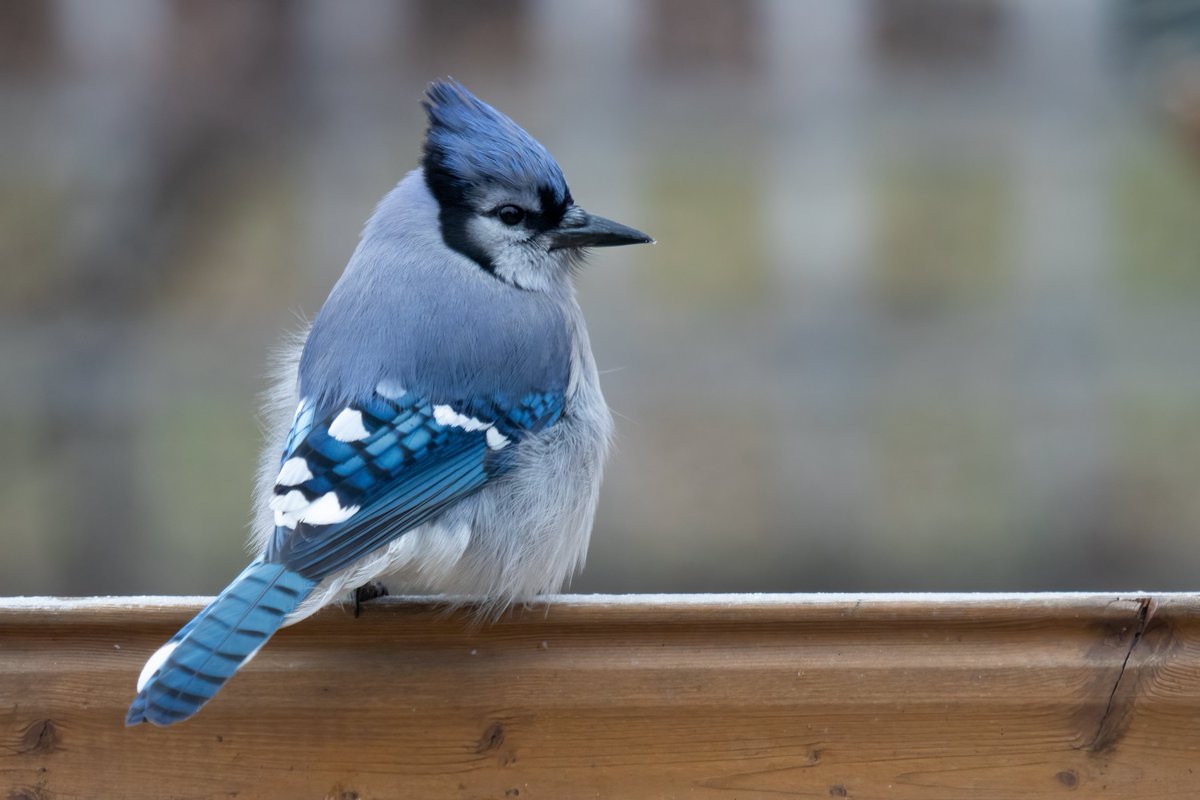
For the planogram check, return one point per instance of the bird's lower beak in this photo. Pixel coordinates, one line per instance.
(581, 229)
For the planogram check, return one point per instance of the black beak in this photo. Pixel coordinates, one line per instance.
(581, 229)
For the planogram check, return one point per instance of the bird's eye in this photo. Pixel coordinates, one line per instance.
(511, 215)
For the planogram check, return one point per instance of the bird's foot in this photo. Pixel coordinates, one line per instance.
(367, 592)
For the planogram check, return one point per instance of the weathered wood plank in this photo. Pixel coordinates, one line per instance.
(754, 698)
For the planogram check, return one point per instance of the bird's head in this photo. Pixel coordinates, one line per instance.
(503, 200)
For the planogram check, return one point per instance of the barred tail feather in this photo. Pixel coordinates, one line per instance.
(187, 671)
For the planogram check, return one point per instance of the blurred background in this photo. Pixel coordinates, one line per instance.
(924, 313)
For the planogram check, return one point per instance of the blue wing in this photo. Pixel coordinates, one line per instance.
(356, 477)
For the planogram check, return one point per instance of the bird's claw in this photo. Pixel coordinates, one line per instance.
(366, 592)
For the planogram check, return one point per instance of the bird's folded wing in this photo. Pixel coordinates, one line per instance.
(353, 478)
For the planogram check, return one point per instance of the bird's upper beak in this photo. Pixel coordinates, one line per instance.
(581, 229)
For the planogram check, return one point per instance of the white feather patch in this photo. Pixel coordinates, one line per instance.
(293, 472)
(154, 662)
(445, 415)
(496, 440)
(348, 426)
(390, 389)
(432, 550)
(292, 501)
(326, 510)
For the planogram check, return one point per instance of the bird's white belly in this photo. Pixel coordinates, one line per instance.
(421, 561)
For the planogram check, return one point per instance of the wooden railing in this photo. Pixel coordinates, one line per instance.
(753, 697)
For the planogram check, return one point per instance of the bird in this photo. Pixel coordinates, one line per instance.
(440, 426)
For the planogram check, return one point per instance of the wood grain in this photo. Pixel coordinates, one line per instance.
(713, 698)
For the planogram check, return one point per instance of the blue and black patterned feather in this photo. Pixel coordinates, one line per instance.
(220, 639)
(406, 469)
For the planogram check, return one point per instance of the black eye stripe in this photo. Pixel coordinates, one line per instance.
(553, 206)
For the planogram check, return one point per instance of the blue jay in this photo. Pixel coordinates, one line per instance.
(444, 423)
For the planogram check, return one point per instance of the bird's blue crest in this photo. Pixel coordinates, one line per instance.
(469, 143)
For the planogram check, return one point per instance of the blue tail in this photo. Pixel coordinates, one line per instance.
(187, 671)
